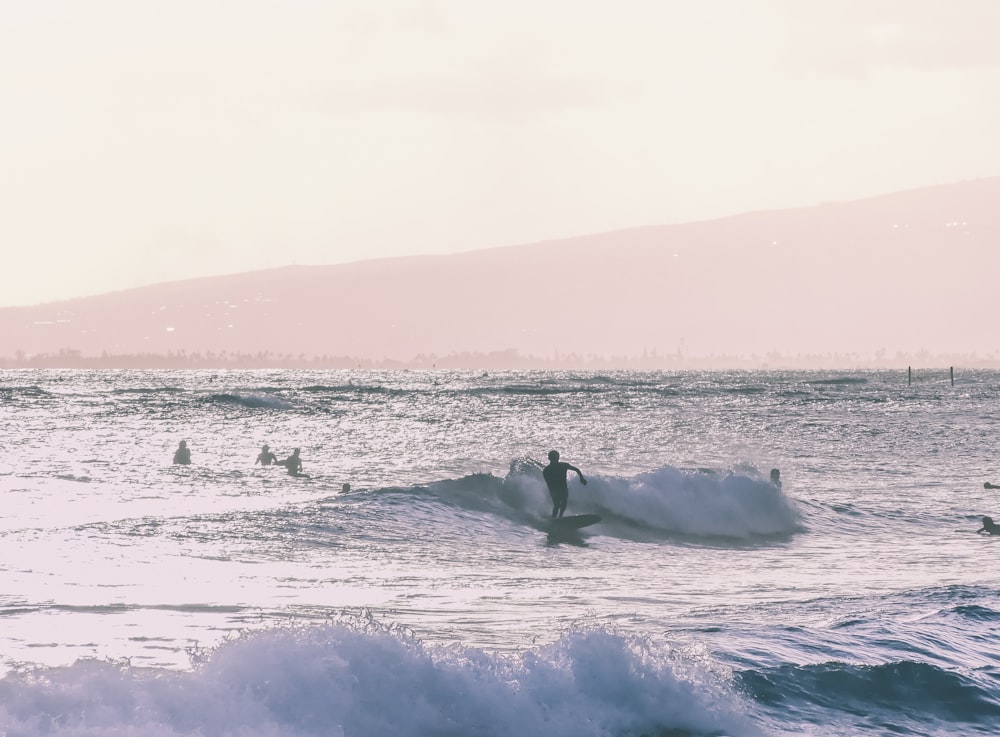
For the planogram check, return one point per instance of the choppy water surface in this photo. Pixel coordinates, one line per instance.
(139, 597)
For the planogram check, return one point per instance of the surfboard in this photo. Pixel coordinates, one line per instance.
(573, 522)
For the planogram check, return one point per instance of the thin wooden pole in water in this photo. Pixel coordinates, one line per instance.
(909, 375)
(952, 369)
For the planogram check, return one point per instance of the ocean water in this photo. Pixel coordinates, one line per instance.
(427, 598)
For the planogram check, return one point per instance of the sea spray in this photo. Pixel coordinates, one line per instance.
(367, 681)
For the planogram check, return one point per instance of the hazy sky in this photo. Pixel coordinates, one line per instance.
(163, 139)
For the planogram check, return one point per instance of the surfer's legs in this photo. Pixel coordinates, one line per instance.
(559, 500)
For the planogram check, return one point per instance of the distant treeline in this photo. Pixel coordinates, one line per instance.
(494, 360)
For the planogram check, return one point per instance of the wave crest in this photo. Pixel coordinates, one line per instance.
(254, 401)
(343, 680)
(669, 501)
(920, 690)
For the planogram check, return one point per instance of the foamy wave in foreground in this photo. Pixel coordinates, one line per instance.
(365, 682)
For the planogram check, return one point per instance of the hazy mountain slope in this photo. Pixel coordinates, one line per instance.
(905, 271)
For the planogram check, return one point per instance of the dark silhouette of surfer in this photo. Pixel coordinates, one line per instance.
(294, 464)
(182, 455)
(776, 477)
(266, 457)
(988, 485)
(555, 478)
(989, 526)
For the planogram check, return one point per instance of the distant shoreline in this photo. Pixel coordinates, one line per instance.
(499, 360)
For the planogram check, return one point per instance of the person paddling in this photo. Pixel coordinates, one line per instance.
(989, 526)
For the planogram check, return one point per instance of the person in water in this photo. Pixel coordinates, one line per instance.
(776, 477)
(293, 463)
(555, 478)
(266, 457)
(989, 526)
(988, 485)
(182, 455)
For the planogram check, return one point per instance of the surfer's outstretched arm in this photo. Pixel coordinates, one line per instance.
(578, 473)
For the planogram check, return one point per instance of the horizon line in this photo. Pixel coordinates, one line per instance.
(508, 359)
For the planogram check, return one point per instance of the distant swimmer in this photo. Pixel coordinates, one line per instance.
(182, 455)
(293, 463)
(988, 485)
(776, 477)
(266, 457)
(989, 526)
(555, 478)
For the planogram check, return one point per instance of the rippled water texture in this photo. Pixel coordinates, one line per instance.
(857, 598)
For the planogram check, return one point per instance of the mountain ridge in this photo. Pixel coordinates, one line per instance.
(903, 271)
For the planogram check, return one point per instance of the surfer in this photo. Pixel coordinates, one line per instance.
(776, 477)
(988, 485)
(182, 455)
(266, 457)
(989, 526)
(293, 463)
(555, 478)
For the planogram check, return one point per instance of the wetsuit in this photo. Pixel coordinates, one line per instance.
(555, 478)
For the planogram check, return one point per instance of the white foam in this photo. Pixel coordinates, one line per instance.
(672, 500)
(369, 682)
(261, 401)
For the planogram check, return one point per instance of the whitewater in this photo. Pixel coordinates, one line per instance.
(409, 585)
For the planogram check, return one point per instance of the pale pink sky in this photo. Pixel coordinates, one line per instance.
(168, 139)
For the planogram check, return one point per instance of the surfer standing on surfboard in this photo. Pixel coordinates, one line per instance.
(555, 478)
